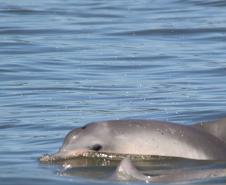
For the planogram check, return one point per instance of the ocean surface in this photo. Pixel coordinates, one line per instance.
(64, 63)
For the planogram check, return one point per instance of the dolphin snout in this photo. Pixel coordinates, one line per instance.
(64, 155)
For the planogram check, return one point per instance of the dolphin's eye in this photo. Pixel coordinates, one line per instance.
(83, 127)
(96, 147)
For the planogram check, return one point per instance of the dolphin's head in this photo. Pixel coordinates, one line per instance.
(91, 137)
(85, 140)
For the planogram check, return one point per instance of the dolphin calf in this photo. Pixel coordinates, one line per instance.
(202, 141)
(126, 171)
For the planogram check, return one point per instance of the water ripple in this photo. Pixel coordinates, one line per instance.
(173, 31)
(67, 63)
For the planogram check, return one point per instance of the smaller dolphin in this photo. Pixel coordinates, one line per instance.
(126, 171)
(216, 128)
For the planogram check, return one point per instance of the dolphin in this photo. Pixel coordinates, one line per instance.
(126, 171)
(216, 128)
(201, 141)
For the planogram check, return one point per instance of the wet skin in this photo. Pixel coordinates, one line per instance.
(142, 137)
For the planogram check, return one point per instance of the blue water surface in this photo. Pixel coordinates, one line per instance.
(64, 63)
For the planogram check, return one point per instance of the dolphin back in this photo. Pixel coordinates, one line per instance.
(215, 128)
(126, 171)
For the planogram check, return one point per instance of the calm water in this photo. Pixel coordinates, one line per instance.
(64, 63)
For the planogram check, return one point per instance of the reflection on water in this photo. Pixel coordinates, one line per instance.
(162, 170)
(67, 63)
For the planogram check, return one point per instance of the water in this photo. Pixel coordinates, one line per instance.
(66, 63)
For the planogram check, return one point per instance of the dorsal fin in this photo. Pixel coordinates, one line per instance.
(216, 128)
(127, 171)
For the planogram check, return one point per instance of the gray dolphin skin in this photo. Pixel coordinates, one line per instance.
(126, 171)
(146, 137)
